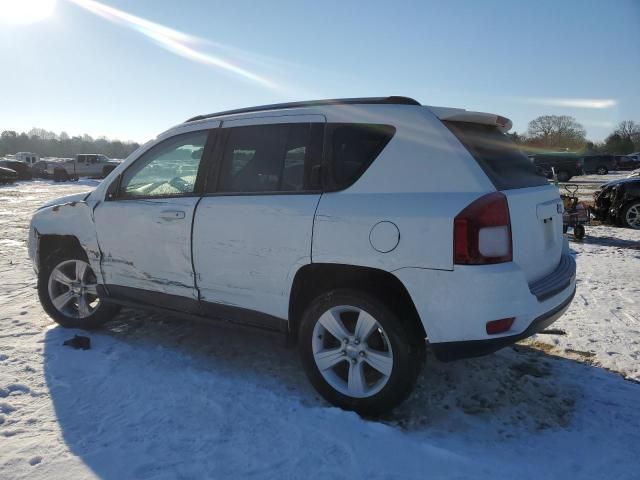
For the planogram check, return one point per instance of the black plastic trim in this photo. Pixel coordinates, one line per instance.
(448, 351)
(555, 282)
(392, 100)
(190, 307)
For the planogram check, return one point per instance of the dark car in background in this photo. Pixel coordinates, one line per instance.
(627, 162)
(618, 202)
(565, 165)
(22, 169)
(7, 175)
(600, 164)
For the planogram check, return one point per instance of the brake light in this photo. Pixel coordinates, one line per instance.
(482, 232)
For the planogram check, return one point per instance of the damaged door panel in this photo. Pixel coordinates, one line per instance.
(144, 226)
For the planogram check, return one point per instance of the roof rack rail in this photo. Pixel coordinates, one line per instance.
(392, 100)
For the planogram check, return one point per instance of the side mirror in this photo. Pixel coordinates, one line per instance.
(112, 190)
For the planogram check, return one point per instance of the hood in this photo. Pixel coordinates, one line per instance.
(621, 181)
(77, 197)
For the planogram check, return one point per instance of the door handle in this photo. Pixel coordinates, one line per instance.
(172, 214)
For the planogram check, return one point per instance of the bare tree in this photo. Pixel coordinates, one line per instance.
(628, 129)
(556, 131)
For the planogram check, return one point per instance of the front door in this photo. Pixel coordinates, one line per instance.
(252, 229)
(144, 231)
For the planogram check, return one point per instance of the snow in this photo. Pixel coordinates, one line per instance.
(160, 397)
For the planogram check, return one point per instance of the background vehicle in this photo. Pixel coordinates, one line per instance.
(7, 175)
(626, 162)
(39, 169)
(27, 157)
(619, 202)
(22, 169)
(215, 219)
(566, 165)
(600, 164)
(83, 165)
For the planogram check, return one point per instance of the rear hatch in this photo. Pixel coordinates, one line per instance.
(535, 208)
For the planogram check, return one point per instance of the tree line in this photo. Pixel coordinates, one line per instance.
(51, 144)
(564, 133)
(547, 132)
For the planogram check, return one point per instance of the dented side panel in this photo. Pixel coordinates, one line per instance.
(74, 218)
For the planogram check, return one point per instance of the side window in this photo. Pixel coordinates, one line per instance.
(354, 147)
(269, 158)
(168, 169)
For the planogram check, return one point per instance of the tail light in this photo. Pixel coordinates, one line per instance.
(482, 232)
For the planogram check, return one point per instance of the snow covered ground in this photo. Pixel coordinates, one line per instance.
(159, 397)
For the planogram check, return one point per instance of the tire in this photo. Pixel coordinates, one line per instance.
(397, 354)
(107, 170)
(565, 228)
(69, 314)
(630, 215)
(563, 176)
(602, 170)
(60, 175)
(579, 232)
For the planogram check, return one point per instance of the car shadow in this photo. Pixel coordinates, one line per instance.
(152, 387)
(608, 241)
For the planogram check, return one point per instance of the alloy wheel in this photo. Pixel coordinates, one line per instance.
(352, 351)
(632, 216)
(73, 289)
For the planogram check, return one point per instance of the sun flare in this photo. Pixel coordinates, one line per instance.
(23, 12)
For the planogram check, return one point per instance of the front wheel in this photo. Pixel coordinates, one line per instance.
(602, 170)
(67, 288)
(563, 176)
(357, 353)
(630, 216)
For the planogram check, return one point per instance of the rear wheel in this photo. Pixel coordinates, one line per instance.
(563, 176)
(357, 353)
(630, 216)
(602, 170)
(60, 175)
(579, 232)
(67, 288)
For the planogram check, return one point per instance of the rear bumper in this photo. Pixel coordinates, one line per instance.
(455, 306)
(448, 351)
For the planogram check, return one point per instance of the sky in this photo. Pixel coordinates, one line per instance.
(130, 70)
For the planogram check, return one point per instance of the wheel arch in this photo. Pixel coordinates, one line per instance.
(316, 278)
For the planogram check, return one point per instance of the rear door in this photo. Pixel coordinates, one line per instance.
(252, 229)
(534, 205)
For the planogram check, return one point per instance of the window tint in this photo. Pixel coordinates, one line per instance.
(168, 169)
(354, 147)
(500, 159)
(269, 158)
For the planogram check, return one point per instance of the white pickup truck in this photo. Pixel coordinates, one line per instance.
(83, 165)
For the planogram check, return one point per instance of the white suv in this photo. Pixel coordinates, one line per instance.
(358, 227)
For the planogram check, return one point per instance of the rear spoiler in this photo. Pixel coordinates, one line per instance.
(462, 115)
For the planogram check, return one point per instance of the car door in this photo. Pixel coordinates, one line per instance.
(144, 230)
(253, 227)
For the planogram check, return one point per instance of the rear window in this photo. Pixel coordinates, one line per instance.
(502, 161)
(354, 147)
